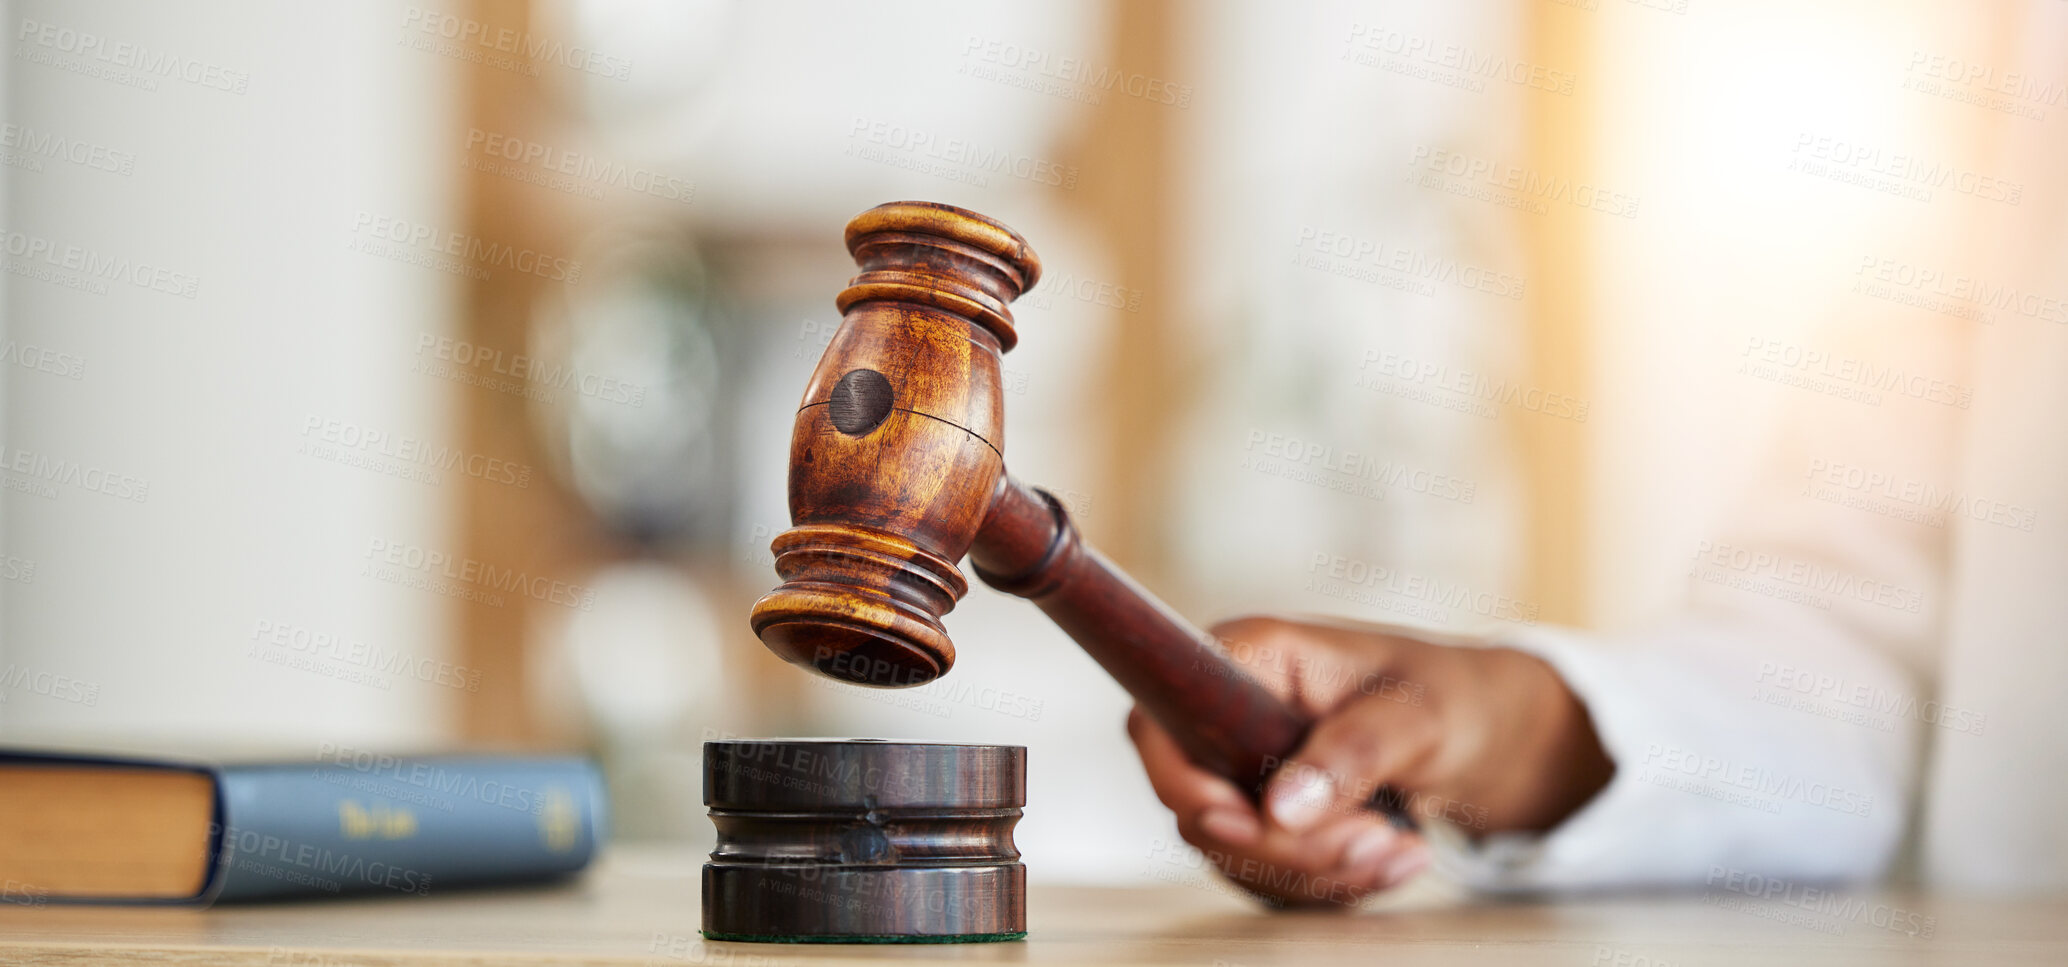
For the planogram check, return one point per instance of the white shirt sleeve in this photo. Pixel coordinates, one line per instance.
(1722, 764)
(1774, 727)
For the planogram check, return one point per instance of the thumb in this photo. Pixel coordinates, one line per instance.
(1350, 754)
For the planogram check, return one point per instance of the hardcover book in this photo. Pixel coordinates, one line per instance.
(118, 829)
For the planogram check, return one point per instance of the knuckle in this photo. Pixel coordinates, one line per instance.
(1189, 832)
(1417, 730)
(1162, 791)
(1249, 625)
(1353, 734)
(1357, 743)
(1259, 630)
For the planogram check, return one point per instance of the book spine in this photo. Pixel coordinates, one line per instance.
(403, 826)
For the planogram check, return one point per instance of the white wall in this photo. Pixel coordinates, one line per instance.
(1734, 245)
(198, 403)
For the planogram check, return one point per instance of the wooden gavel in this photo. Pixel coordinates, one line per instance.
(897, 470)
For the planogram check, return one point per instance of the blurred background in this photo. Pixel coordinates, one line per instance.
(417, 375)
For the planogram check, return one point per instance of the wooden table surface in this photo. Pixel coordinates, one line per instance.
(640, 907)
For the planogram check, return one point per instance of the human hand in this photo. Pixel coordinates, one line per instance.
(1489, 739)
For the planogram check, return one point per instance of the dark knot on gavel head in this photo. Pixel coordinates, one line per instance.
(897, 448)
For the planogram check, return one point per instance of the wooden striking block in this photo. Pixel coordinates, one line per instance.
(864, 841)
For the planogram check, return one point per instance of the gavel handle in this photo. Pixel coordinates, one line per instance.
(1223, 719)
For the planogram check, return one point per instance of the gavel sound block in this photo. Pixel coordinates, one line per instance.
(863, 841)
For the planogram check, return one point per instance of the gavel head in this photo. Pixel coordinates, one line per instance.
(898, 447)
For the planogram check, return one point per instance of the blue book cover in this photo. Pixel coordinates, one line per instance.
(355, 823)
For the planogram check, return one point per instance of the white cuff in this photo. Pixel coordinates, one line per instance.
(1670, 815)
